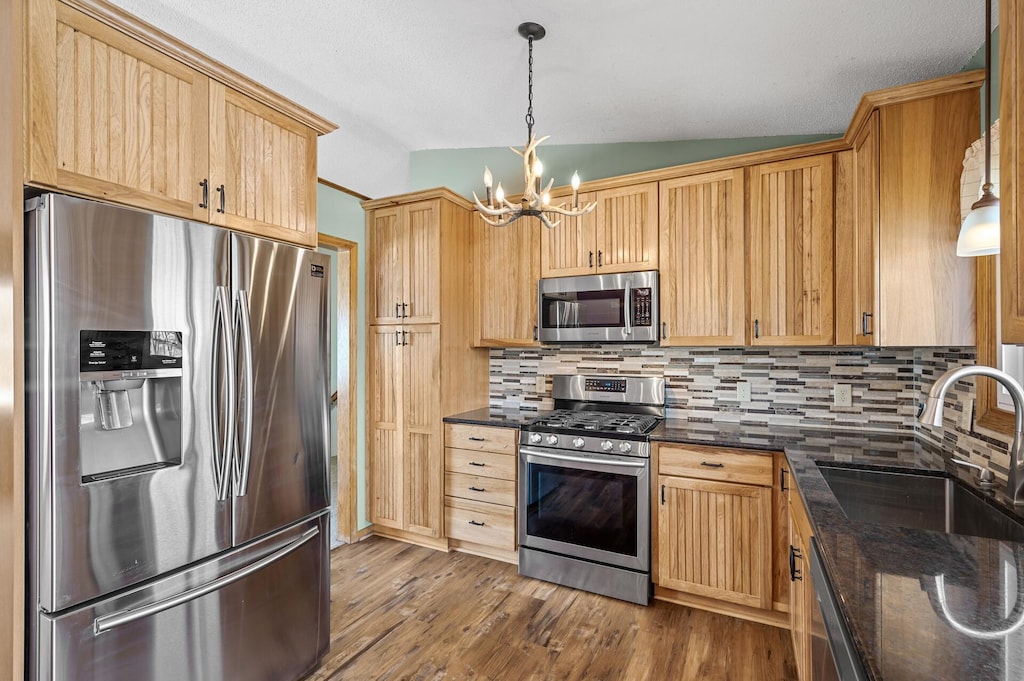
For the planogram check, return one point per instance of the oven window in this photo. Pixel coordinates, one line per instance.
(584, 309)
(586, 508)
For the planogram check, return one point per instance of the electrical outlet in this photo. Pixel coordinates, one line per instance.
(842, 395)
(743, 391)
(541, 384)
(967, 415)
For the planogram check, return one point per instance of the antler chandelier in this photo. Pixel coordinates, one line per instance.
(535, 202)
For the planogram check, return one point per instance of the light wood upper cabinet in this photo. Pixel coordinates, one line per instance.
(507, 261)
(406, 468)
(405, 266)
(896, 258)
(113, 118)
(1011, 169)
(570, 248)
(714, 540)
(113, 115)
(701, 249)
(262, 169)
(791, 252)
(620, 235)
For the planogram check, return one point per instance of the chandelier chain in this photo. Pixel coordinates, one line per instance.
(529, 109)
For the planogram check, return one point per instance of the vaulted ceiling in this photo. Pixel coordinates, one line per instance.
(399, 76)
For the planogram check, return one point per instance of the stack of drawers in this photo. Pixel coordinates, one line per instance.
(480, 489)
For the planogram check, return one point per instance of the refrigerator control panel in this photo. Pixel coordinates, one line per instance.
(128, 351)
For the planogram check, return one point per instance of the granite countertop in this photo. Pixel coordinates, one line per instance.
(485, 416)
(886, 577)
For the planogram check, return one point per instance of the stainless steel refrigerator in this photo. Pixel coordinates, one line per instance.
(177, 383)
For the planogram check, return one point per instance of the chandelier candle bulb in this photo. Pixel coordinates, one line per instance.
(499, 195)
(488, 180)
(575, 188)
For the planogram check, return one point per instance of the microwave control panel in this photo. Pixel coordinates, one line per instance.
(641, 307)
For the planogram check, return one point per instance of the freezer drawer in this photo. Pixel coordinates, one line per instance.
(259, 612)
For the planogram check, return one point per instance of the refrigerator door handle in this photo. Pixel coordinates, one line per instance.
(244, 460)
(223, 450)
(113, 620)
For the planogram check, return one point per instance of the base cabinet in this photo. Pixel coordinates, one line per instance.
(713, 519)
(480, 489)
(801, 591)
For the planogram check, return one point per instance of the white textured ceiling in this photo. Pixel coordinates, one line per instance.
(399, 76)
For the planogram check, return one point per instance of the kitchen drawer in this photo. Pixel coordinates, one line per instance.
(486, 464)
(480, 523)
(481, 438)
(716, 463)
(477, 488)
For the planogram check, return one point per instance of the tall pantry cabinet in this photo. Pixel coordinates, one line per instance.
(421, 364)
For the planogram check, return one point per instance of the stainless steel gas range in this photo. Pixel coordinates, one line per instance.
(585, 484)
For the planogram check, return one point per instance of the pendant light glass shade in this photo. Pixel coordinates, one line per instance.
(979, 235)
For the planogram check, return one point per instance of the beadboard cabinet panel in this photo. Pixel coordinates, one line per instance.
(703, 263)
(507, 261)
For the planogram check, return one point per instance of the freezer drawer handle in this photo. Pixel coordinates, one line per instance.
(108, 622)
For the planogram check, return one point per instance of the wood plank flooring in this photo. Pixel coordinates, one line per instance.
(405, 612)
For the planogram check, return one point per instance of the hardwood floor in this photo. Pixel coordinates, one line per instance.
(405, 612)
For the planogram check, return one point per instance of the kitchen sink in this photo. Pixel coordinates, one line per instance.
(919, 500)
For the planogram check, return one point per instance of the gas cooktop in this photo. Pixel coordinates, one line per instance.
(604, 422)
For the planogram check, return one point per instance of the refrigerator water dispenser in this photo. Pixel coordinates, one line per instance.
(129, 402)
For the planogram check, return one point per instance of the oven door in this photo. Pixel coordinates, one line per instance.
(620, 308)
(586, 506)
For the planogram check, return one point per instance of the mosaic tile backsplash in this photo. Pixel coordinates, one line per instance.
(788, 386)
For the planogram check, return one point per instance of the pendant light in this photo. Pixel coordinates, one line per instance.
(536, 200)
(979, 234)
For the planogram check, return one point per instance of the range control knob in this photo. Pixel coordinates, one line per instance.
(578, 442)
(607, 445)
(535, 438)
(552, 439)
(625, 447)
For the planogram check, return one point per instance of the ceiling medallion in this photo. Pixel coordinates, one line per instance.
(535, 202)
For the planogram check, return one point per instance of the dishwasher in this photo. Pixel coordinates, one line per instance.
(833, 654)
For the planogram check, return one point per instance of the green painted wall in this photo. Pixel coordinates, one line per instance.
(462, 169)
(340, 215)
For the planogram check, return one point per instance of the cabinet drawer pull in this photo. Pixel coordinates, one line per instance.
(405, 309)
(712, 465)
(599, 258)
(205, 184)
(474, 438)
(664, 329)
(757, 328)
(472, 488)
(222, 193)
(398, 312)
(474, 522)
(534, 332)
(476, 463)
(397, 342)
(590, 259)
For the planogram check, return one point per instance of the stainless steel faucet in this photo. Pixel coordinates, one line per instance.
(932, 415)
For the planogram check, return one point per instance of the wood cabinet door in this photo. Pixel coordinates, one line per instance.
(262, 169)
(627, 228)
(423, 480)
(421, 237)
(507, 268)
(385, 416)
(387, 265)
(112, 118)
(1011, 170)
(701, 249)
(791, 252)
(714, 540)
(865, 225)
(799, 604)
(925, 291)
(569, 249)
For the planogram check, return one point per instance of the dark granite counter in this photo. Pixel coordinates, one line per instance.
(921, 605)
(894, 583)
(492, 417)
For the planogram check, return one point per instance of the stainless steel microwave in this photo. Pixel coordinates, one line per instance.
(600, 308)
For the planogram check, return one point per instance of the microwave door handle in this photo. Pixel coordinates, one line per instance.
(628, 312)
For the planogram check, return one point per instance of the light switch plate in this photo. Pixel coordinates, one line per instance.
(743, 391)
(842, 395)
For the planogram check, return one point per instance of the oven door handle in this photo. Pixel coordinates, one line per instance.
(534, 456)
